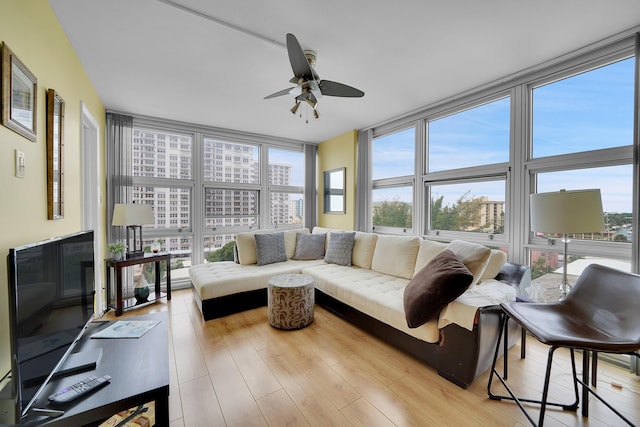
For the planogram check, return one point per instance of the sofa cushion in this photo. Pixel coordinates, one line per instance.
(340, 248)
(291, 240)
(395, 255)
(246, 246)
(326, 231)
(440, 282)
(309, 246)
(218, 279)
(363, 249)
(496, 260)
(427, 251)
(270, 248)
(474, 256)
(375, 294)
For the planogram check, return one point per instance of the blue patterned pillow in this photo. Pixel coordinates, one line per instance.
(270, 248)
(340, 248)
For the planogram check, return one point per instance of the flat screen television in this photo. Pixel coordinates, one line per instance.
(51, 294)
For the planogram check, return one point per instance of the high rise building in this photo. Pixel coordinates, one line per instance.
(163, 155)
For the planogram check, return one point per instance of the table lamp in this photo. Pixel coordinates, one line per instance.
(132, 216)
(567, 212)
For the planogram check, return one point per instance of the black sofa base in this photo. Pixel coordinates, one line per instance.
(223, 306)
(460, 356)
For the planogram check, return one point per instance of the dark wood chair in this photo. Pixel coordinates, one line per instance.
(600, 315)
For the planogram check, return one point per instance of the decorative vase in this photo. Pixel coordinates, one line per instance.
(141, 293)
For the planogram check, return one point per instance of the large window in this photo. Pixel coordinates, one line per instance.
(467, 163)
(474, 137)
(393, 181)
(394, 154)
(393, 207)
(582, 138)
(206, 188)
(472, 206)
(589, 111)
(162, 178)
(464, 168)
(158, 154)
(286, 188)
(231, 162)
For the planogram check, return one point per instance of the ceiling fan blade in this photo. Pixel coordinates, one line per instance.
(329, 88)
(299, 63)
(280, 93)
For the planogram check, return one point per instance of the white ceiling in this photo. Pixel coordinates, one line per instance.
(151, 58)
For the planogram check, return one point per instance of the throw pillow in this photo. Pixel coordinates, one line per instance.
(441, 281)
(309, 246)
(340, 248)
(496, 261)
(474, 256)
(270, 248)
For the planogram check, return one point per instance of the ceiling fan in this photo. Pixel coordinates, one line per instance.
(309, 88)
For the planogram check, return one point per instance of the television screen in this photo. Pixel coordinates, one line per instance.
(51, 288)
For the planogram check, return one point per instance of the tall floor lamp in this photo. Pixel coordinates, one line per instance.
(567, 212)
(132, 216)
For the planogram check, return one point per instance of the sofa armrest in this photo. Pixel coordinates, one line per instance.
(516, 275)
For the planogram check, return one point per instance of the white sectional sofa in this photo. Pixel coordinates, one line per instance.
(459, 342)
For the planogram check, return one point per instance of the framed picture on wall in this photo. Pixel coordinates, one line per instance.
(19, 95)
(55, 155)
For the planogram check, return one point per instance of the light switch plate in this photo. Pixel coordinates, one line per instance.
(20, 164)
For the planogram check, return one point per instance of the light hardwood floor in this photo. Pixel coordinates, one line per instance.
(239, 371)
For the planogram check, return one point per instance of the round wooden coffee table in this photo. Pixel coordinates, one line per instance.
(290, 298)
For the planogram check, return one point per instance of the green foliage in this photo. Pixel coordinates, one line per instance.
(618, 219)
(442, 217)
(394, 213)
(540, 268)
(116, 248)
(464, 215)
(225, 253)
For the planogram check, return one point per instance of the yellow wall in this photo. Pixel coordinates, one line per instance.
(32, 32)
(336, 153)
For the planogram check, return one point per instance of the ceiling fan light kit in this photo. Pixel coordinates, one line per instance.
(309, 88)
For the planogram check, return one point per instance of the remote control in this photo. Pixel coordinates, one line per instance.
(80, 388)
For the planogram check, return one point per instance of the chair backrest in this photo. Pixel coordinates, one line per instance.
(609, 298)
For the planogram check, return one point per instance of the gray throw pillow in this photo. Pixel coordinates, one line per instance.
(270, 248)
(340, 248)
(309, 246)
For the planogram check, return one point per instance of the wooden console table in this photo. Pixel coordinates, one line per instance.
(118, 265)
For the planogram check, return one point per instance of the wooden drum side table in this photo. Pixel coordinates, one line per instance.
(118, 265)
(290, 299)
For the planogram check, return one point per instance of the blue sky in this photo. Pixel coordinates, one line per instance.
(590, 111)
(293, 158)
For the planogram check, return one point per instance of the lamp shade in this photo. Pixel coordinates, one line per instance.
(567, 212)
(132, 214)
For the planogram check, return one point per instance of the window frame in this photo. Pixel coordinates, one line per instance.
(290, 189)
(397, 181)
(603, 157)
(518, 86)
(197, 231)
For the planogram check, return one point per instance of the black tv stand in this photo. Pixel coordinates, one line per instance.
(46, 412)
(139, 368)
